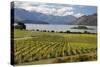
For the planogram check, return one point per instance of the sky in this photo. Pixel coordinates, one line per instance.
(56, 9)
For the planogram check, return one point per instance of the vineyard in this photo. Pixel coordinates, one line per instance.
(47, 47)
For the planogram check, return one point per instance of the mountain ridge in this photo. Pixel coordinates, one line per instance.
(40, 18)
(35, 16)
(90, 20)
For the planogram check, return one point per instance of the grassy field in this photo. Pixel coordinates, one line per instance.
(31, 47)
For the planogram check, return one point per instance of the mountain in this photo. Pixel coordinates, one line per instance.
(40, 18)
(90, 20)
(34, 22)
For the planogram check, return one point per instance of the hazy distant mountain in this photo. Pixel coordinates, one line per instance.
(90, 20)
(40, 18)
(34, 22)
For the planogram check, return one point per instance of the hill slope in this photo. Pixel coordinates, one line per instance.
(90, 20)
(25, 15)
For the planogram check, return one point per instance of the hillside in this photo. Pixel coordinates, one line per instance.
(90, 20)
(28, 16)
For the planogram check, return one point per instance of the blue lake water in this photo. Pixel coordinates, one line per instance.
(58, 28)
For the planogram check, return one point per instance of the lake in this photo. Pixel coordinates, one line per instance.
(58, 28)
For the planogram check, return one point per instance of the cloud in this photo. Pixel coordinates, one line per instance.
(45, 8)
(78, 15)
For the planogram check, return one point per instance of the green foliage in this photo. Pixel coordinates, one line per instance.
(20, 26)
(45, 45)
(80, 27)
(52, 31)
(37, 29)
(61, 32)
(68, 31)
(86, 32)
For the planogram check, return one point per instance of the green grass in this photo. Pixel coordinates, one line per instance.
(46, 47)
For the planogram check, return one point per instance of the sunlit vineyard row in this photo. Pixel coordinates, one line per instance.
(47, 46)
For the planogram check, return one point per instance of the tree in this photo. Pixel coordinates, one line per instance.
(20, 25)
(44, 30)
(68, 31)
(86, 32)
(52, 31)
(37, 29)
(61, 32)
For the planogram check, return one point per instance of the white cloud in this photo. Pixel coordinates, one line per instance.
(78, 15)
(44, 8)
